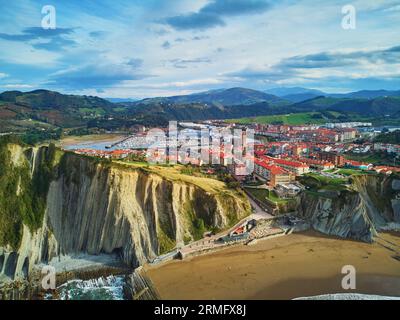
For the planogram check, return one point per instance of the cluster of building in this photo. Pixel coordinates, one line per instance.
(272, 172)
(387, 147)
(353, 124)
(293, 151)
(308, 133)
(386, 169)
(106, 154)
(280, 171)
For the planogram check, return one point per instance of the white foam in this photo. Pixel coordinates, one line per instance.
(348, 296)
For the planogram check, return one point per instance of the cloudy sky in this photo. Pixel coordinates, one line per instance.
(147, 48)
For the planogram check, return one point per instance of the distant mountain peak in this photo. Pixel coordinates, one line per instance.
(225, 97)
(285, 91)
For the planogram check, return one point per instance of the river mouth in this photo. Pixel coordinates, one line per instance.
(296, 265)
(96, 142)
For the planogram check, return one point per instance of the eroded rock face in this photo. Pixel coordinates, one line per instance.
(396, 210)
(370, 205)
(396, 200)
(94, 208)
(396, 184)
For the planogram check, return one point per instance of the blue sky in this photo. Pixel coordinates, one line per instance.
(153, 48)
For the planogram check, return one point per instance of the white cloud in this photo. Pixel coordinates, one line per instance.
(393, 9)
(130, 32)
(17, 86)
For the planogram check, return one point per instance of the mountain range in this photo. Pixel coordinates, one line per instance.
(374, 107)
(220, 97)
(42, 108)
(298, 94)
(295, 94)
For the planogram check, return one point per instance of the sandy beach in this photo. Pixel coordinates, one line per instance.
(282, 268)
(85, 141)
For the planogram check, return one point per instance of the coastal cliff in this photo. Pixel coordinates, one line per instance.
(61, 204)
(57, 205)
(370, 204)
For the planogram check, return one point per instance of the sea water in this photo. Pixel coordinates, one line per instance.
(104, 288)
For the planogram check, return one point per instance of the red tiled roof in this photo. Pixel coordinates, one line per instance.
(119, 152)
(284, 162)
(291, 163)
(356, 163)
(315, 161)
(387, 168)
(271, 168)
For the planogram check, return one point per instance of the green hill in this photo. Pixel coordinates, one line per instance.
(389, 137)
(224, 97)
(381, 106)
(52, 107)
(44, 111)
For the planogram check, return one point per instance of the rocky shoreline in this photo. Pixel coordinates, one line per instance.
(31, 288)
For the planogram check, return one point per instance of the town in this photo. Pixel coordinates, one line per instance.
(284, 160)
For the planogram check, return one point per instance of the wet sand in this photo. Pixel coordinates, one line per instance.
(71, 140)
(88, 140)
(282, 268)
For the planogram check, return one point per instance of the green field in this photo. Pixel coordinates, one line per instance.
(263, 194)
(120, 109)
(174, 173)
(95, 111)
(375, 158)
(317, 182)
(288, 119)
(303, 118)
(351, 172)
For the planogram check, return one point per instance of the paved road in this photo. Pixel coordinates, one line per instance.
(208, 243)
(258, 213)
